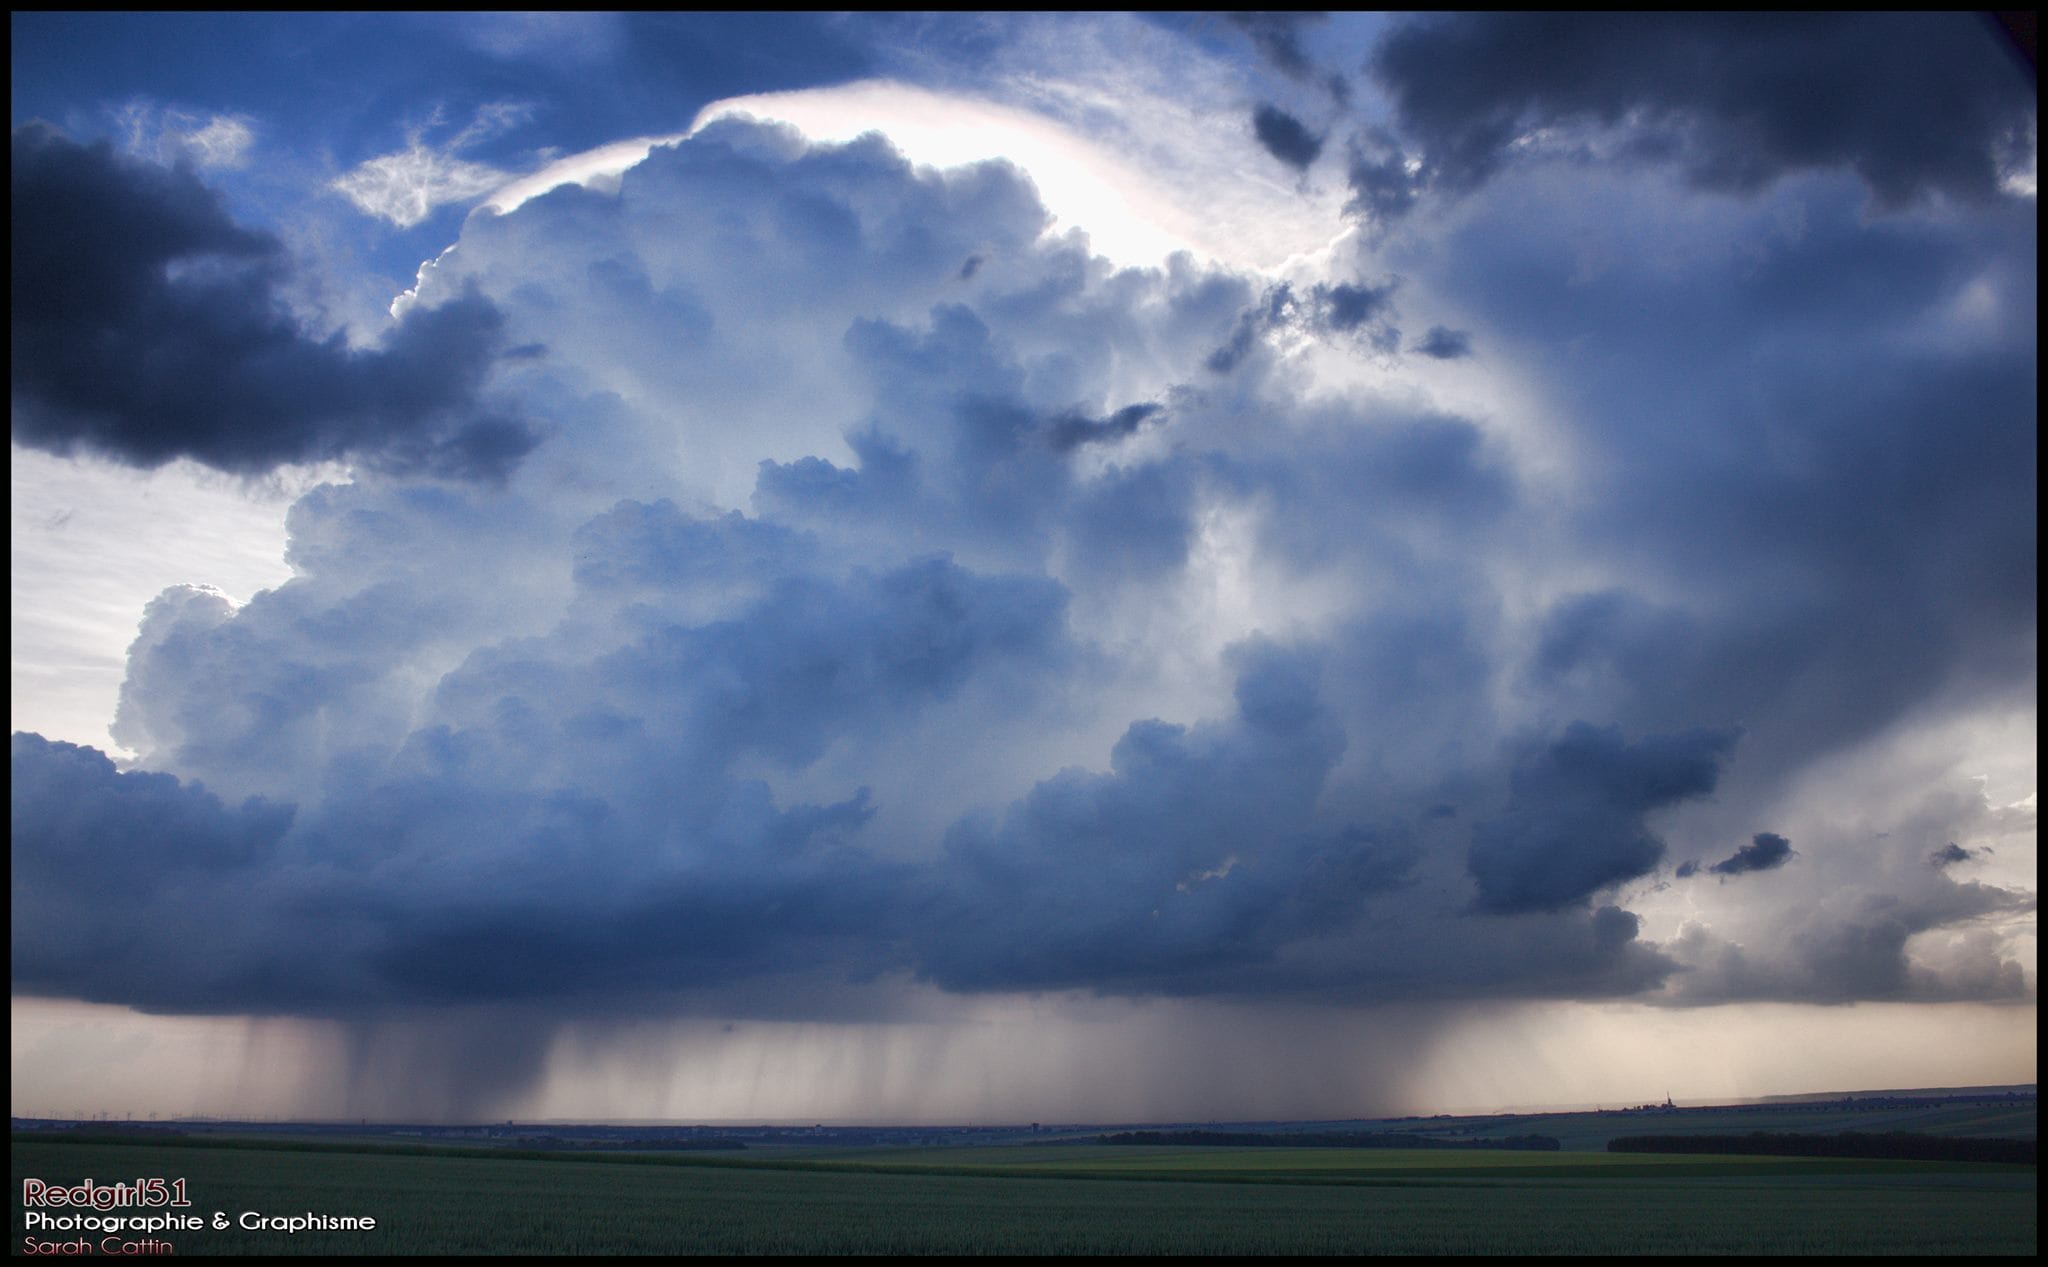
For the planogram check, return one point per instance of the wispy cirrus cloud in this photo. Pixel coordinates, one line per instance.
(168, 134)
(406, 186)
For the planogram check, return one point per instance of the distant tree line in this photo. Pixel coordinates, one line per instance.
(1325, 1139)
(1899, 1145)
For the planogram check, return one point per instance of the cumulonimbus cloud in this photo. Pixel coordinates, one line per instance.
(903, 596)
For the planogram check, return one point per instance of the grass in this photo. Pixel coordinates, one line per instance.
(1073, 1199)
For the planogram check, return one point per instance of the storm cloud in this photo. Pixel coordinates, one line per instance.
(147, 326)
(1443, 344)
(1950, 854)
(1071, 431)
(1574, 824)
(1286, 137)
(1278, 36)
(1767, 851)
(1360, 315)
(865, 624)
(1201, 846)
(1914, 104)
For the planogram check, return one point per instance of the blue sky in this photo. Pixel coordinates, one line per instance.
(1035, 566)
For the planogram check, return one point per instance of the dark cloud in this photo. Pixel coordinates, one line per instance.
(1073, 430)
(1892, 495)
(1275, 309)
(1690, 867)
(1135, 523)
(121, 824)
(147, 327)
(1199, 844)
(1574, 822)
(1347, 307)
(811, 489)
(2022, 38)
(1445, 344)
(1588, 640)
(172, 857)
(1362, 313)
(1286, 137)
(782, 680)
(1426, 488)
(1385, 182)
(1613, 926)
(1950, 854)
(560, 825)
(1277, 36)
(1912, 103)
(1227, 356)
(229, 914)
(1766, 851)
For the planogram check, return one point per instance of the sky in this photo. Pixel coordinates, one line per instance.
(1022, 567)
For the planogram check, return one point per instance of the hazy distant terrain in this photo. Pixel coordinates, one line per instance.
(1981, 1112)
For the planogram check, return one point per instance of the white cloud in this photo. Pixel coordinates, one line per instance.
(597, 169)
(223, 142)
(168, 134)
(1163, 178)
(1083, 186)
(404, 187)
(1129, 135)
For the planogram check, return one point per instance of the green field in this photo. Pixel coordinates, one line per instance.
(1066, 1199)
(1591, 1131)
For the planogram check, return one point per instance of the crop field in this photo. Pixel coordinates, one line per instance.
(1359, 1166)
(1593, 1130)
(1061, 1199)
